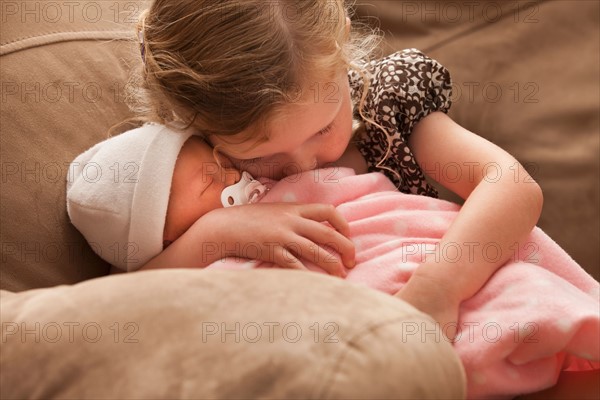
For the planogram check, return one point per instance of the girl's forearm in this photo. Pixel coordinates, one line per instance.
(196, 248)
(496, 217)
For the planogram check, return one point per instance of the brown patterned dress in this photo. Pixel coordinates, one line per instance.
(404, 87)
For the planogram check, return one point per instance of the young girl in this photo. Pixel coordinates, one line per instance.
(275, 85)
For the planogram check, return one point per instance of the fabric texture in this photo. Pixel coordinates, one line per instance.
(118, 193)
(537, 315)
(403, 88)
(199, 334)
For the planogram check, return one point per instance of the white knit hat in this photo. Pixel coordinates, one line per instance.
(118, 193)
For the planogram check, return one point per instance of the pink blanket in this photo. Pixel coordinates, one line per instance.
(538, 315)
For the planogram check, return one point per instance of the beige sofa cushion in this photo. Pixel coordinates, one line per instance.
(63, 87)
(221, 334)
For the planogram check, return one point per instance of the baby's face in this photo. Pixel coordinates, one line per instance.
(196, 186)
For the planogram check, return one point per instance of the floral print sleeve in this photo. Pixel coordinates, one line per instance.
(404, 87)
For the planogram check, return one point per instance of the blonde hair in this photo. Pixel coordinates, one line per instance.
(224, 66)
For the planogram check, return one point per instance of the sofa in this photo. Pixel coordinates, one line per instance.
(525, 77)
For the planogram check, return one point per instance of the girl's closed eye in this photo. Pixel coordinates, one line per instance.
(325, 130)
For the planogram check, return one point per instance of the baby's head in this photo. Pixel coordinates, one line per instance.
(236, 70)
(133, 192)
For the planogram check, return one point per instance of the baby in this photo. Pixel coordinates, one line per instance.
(133, 194)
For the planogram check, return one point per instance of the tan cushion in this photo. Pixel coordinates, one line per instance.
(63, 87)
(221, 334)
(526, 77)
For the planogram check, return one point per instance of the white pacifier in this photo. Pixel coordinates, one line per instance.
(247, 191)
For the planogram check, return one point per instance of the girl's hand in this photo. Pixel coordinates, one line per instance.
(433, 298)
(283, 233)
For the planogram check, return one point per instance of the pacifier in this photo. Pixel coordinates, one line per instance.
(247, 191)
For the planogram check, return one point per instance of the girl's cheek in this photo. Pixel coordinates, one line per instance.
(263, 168)
(269, 169)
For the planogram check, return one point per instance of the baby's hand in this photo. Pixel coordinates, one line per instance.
(432, 298)
(285, 234)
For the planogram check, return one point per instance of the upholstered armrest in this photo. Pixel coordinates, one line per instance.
(221, 334)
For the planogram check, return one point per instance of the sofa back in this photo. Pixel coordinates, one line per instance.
(64, 70)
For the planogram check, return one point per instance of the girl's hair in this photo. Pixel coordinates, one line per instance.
(225, 66)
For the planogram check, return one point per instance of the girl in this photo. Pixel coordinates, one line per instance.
(275, 86)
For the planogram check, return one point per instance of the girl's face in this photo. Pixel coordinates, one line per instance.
(306, 137)
(196, 186)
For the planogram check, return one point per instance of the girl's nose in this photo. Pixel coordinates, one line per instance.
(303, 160)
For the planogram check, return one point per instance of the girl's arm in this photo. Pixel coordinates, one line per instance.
(502, 206)
(282, 233)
